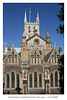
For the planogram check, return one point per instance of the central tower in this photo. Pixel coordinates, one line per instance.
(31, 28)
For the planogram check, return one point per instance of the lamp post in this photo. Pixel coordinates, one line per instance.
(27, 78)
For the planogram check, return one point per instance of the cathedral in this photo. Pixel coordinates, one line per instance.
(34, 70)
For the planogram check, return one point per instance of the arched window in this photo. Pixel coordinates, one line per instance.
(56, 78)
(15, 58)
(40, 80)
(35, 57)
(13, 80)
(9, 59)
(8, 81)
(35, 79)
(17, 80)
(30, 78)
(55, 58)
(38, 59)
(12, 57)
(34, 29)
(29, 29)
(51, 80)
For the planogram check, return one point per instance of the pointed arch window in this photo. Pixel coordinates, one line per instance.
(34, 29)
(35, 57)
(38, 59)
(13, 80)
(12, 57)
(55, 58)
(40, 80)
(40, 52)
(35, 79)
(51, 80)
(30, 78)
(15, 58)
(8, 81)
(56, 79)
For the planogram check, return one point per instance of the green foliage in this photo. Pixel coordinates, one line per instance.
(60, 28)
(61, 69)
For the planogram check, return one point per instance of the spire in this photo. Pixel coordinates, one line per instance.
(48, 37)
(37, 15)
(25, 19)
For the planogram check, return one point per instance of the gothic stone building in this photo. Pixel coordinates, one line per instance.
(35, 68)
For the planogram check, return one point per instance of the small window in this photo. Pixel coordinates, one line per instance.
(29, 29)
(36, 41)
(12, 57)
(52, 59)
(40, 52)
(35, 57)
(55, 58)
(38, 59)
(15, 58)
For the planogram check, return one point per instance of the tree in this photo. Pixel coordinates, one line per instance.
(60, 28)
(61, 69)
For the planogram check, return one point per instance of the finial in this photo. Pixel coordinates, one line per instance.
(8, 44)
(13, 44)
(54, 44)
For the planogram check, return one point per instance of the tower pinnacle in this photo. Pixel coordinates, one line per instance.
(37, 15)
(25, 19)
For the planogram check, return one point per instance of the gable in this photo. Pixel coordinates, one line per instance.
(42, 42)
(53, 53)
(10, 54)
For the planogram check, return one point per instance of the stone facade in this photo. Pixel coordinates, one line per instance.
(34, 69)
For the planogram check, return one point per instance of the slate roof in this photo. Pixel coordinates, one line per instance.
(47, 56)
